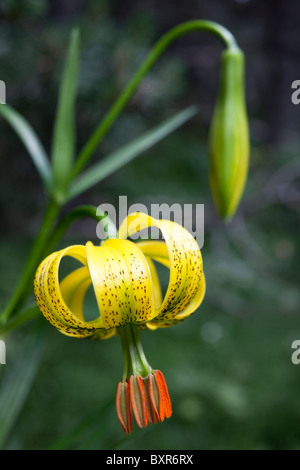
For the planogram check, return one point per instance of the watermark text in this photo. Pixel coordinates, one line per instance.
(2, 92)
(2, 352)
(296, 354)
(296, 94)
(189, 216)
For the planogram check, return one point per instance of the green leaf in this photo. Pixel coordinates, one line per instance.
(30, 141)
(16, 383)
(120, 157)
(63, 144)
(26, 315)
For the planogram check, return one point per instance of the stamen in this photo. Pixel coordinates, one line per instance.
(154, 396)
(165, 407)
(123, 404)
(138, 400)
(152, 411)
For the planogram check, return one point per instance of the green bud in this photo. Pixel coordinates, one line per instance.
(229, 137)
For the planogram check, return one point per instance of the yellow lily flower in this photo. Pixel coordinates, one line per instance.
(129, 297)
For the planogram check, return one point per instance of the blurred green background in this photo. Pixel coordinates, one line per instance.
(228, 368)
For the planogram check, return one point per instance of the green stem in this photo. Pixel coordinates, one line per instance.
(126, 354)
(133, 353)
(35, 256)
(139, 348)
(77, 213)
(159, 47)
(23, 317)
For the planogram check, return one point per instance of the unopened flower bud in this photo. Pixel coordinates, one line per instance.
(229, 137)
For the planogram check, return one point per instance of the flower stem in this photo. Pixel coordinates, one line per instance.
(77, 213)
(159, 47)
(133, 353)
(126, 354)
(26, 315)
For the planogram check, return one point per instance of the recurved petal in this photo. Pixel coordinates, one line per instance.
(122, 282)
(73, 289)
(193, 305)
(182, 255)
(155, 284)
(51, 301)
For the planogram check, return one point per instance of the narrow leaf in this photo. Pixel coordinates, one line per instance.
(16, 384)
(120, 157)
(64, 127)
(30, 141)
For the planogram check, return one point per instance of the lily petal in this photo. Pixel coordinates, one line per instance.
(73, 289)
(122, 282)
(155, 284)
(51, 302)
(186, 282)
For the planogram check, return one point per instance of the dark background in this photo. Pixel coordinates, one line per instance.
(229, 367)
